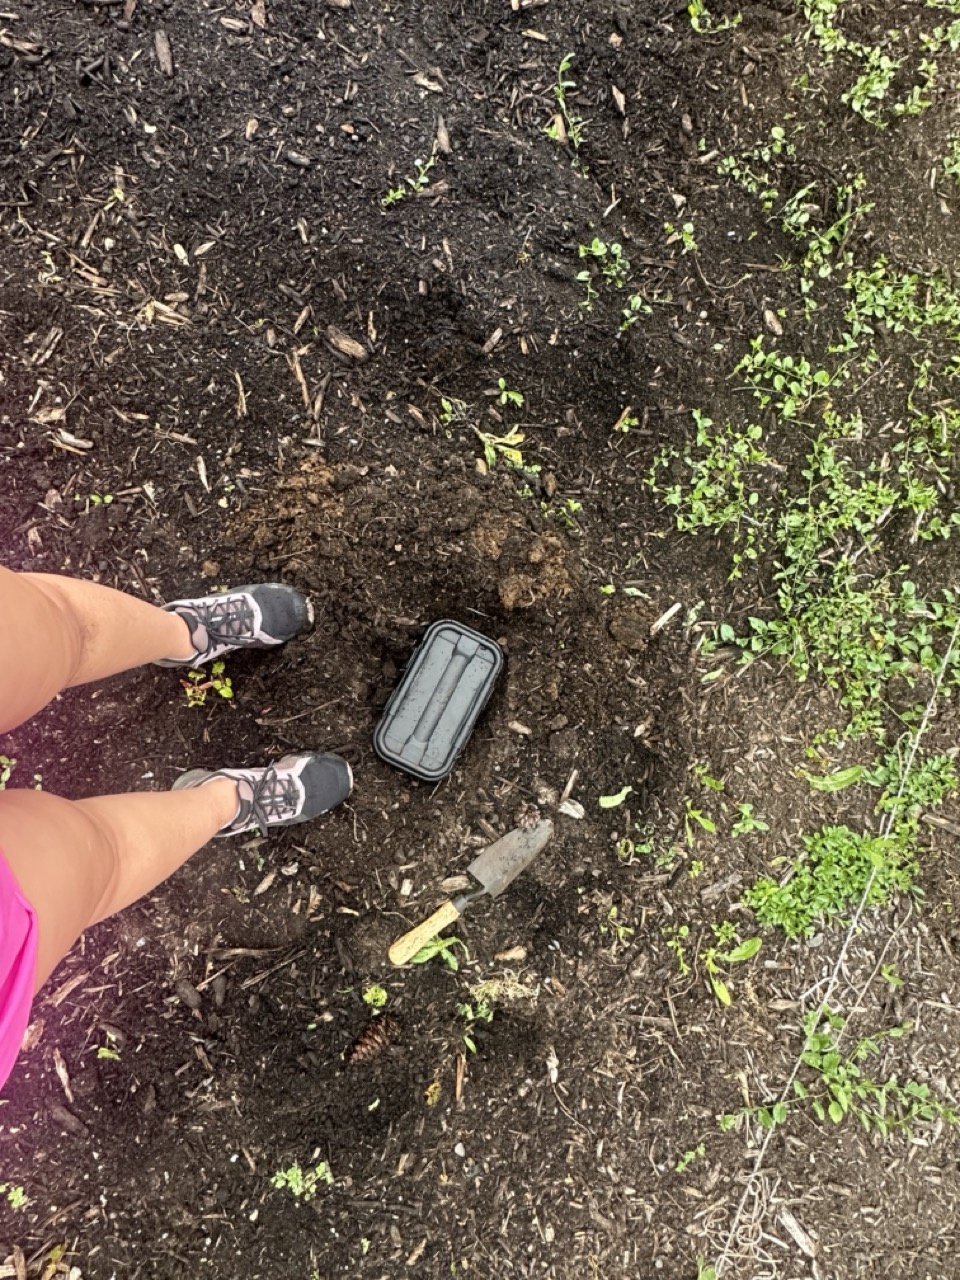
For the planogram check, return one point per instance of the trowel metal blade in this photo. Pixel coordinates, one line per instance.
(502, 862)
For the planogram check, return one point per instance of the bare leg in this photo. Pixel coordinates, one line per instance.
(116, 631)
(59, 632)
(78, 862)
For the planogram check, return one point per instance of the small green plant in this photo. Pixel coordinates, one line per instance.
(565, 512)
(198, 684)
(375, 996)
(747, 823)
(695, 817)
(610, 924)
(7, 766)
(675, 939)
(507, 396)
(418, 182)
(890, 976)
(705, 1270)
(444, 947)
(15, 1196)
(836, 1086)
(613, 263)
(506, 447)
(636, 307)
(696, 869)
(303, 1184)
(107, 1050)
(684, 233)
(566, 124)
(712, 958)
(704, 23)
(832, 876)
(616, 799)
(477, 1010)
(688, 1157)
(951, 163)
(95, 499)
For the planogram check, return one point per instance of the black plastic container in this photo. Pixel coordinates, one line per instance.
(434, 708)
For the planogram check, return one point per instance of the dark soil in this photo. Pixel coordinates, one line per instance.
(174, 250)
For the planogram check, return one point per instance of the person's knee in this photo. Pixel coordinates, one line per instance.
(65, 629)
(58, 849)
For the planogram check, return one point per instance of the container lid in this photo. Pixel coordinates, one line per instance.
(434, 708)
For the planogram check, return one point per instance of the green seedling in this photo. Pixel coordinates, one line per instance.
(613, 263)
(7, 766)
(507, 396)
(566, 124)
(705, 24)
(622, 933)
(375, 996)
(472, 1012)
(713, 784)
(417, 183)
(683, 233)
(696, 869)
(688, 1157)
(712, 958)
(15, 1196)
(196, 686)
(95, 499)
(693, 816)
(565, 512)
(444, 948)
(674, 940)
(614, 801)
(303, 1184)
(507, 448)
(747, 823)
(636, 307)
(889, 975)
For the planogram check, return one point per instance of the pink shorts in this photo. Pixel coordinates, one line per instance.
(18, 967)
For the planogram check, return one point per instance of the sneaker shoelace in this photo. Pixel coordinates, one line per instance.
(225, 622)
(275, 798)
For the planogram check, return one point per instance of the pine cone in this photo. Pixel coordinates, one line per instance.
(372, 1041)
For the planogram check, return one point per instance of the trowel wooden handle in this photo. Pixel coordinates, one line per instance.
(410, 943)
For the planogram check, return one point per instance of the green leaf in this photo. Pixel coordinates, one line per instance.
(779, 1113)
(746, 951)
(835, 1111)
(720, 990)
(836, 781)
(613, 802)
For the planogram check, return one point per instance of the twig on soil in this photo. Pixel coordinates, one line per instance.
(885, 827)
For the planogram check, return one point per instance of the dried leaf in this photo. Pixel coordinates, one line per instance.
(424, 82)
(258, 13)
(571, 809)
(772, 322)
(236, 24)
(492, 342)
(346, 346)
(251, 128)
(32, 1035)
(161, 43)
(265, 883)
(514, 955)
(63, 1075)
(443, 137)
(619, 99)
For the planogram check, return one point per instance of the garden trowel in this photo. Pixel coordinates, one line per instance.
(495, 868)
